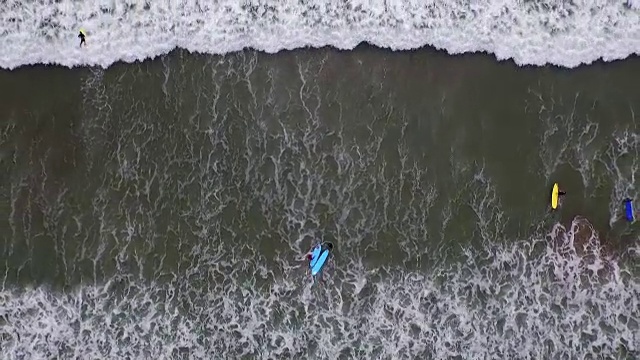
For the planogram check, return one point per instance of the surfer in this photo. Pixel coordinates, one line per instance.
(82, 39)
(561, 193)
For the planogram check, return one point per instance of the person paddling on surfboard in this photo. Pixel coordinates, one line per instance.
(82, 38)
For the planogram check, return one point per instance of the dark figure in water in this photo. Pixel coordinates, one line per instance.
(560, 193)
(82, 39)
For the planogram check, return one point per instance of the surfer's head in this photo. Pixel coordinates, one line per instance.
(329, 246)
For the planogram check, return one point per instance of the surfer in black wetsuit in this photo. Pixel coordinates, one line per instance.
(560, 193)
(82, 39)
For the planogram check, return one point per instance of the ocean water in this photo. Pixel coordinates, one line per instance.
(161, 209)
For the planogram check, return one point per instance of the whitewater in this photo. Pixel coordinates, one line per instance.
(559, 32)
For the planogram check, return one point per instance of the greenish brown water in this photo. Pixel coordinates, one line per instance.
(161, 209)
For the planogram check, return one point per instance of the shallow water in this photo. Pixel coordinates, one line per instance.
(162, 209)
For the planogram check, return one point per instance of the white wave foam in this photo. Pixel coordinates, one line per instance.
(529, 32)
(509, 301)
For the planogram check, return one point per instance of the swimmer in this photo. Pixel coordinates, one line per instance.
(82, 38)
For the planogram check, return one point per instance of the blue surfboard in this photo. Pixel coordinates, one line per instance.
(628, 208)
(318, 265)
(315, 254)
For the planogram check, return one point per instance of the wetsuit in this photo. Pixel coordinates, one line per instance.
(82, 40)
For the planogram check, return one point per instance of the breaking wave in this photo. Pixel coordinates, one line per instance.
(549, 298)
(536, 32)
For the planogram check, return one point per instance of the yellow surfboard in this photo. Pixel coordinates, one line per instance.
(554, 196)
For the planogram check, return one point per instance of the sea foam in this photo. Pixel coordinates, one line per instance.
(529, 32)
(503, 303)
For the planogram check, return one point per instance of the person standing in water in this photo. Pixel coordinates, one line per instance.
(82, 38)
